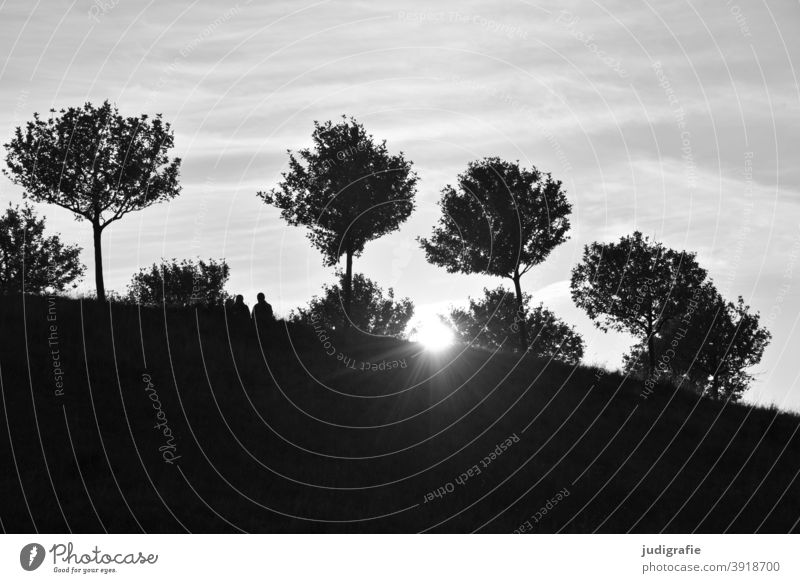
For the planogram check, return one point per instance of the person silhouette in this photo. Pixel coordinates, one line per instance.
(240, 311)
(262, 311)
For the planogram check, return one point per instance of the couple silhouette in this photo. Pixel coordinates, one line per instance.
(262, 311)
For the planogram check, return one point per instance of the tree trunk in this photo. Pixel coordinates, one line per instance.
(520, 315)
(98, 263)
(348, 286)
(651, 354)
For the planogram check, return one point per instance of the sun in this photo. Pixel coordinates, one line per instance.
(433, 334)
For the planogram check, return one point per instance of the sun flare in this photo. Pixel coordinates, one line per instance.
(433, 334)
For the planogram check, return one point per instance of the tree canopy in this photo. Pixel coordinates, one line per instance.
(32, 262)
(500, 219)
(635, 286)
(488, 322)
(96, 164)
(710, 348)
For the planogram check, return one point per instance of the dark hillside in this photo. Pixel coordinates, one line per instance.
(176, 420)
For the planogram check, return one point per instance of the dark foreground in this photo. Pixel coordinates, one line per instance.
(120, 420)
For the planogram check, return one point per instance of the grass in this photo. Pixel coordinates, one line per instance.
(276, 435)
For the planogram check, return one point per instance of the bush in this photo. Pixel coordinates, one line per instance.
(489, 321)
(371, 311)
(180, 284)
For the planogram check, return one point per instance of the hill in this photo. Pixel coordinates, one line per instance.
(127, 420)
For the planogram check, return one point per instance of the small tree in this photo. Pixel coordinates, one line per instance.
(180, 284)
(500, 220)
(347, 190)
(710, 347)
(371, 311)
(95, 163)
(31, 262)
(635, 286)
(488, 321)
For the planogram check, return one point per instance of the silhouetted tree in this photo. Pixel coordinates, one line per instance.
(347, 190)
(500, 220)
(371, 311)
(31, 262)
(635, 286)
(489, 320)
(709, 348)
(95, 163)
(182, 283)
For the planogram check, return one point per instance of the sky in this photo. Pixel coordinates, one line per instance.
(676, 118)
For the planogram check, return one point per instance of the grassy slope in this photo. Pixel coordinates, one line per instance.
(274, 435)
